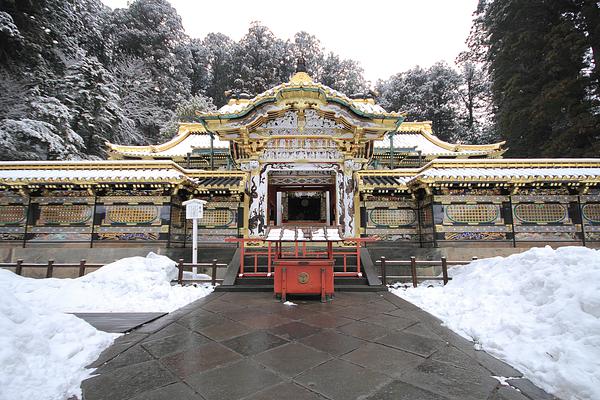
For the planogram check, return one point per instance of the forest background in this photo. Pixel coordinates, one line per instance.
(75, 74)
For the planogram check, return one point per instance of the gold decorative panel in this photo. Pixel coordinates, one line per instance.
(217, 217)
(65, 214)
(473, 213)
(591, 212)
(133, 214)
(387, 217)
(12, 214)
(540, 213)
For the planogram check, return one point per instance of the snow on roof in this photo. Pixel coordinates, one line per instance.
(420, 143)
(368, 108)
(490, 169)
(190, 142)
(511, 172)
(91, 174)
(233, 108)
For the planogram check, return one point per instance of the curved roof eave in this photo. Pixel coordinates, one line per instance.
(271, 98)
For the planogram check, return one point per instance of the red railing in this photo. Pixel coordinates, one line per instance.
(254, 257)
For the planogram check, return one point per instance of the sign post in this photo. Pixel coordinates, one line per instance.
(194, 210)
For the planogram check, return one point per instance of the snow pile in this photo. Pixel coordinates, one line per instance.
(44, 353)
(538, 310)
(134, 284)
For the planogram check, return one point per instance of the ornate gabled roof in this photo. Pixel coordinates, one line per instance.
(302, 82)
(190, 137)
(302, 110)
(418, 138)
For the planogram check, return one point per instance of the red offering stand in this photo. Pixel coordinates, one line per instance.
(305, 272)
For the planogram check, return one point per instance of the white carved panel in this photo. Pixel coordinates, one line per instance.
(291, 124)
(301, 149)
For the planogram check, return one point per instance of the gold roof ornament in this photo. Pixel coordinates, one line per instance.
(301, 78)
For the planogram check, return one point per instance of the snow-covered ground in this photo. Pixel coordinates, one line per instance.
(539, 311)
(43, 351)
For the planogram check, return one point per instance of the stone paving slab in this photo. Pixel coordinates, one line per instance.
(249, 346)
(118, 322)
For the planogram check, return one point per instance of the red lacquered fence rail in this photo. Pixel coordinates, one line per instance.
(254, 259)
(414, 264)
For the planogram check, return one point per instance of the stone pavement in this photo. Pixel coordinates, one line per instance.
(231, 346)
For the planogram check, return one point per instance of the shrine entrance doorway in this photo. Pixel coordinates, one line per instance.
(306, 198)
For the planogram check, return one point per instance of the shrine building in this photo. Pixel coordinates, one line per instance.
(302, 153)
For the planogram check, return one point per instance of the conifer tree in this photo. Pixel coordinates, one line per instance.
(535, 53)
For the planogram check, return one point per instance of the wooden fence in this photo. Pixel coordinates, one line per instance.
(413, 263)
(214, 265)
(50, 266)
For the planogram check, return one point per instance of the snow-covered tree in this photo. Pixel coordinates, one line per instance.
(88, 89)
(143, 115)
(308, 48)
(343, 75)
(426, 94)
(151, 30)
(219, 66)
(262, 60)
(187, 111)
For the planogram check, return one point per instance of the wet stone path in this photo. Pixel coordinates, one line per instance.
(249, 346)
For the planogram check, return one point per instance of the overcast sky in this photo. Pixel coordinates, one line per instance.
(386, 37)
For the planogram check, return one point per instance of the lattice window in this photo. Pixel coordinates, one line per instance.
(133, 214)
(384, 217)
(473, 213)
(540, 213)
(12, 214)
(65, 214)
(217, 217)
(591, 212)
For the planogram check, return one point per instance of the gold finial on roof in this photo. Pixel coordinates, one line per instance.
(301, 78)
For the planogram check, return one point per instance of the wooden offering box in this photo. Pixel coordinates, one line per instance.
(298, 271)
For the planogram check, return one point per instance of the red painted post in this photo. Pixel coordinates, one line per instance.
(323, 299)
(19, 268)
(413, 270)
(383, 271)
(214, 272)
(283, 284)
(445, 270)
(50, 268)
(180, 271)
(82, 268)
